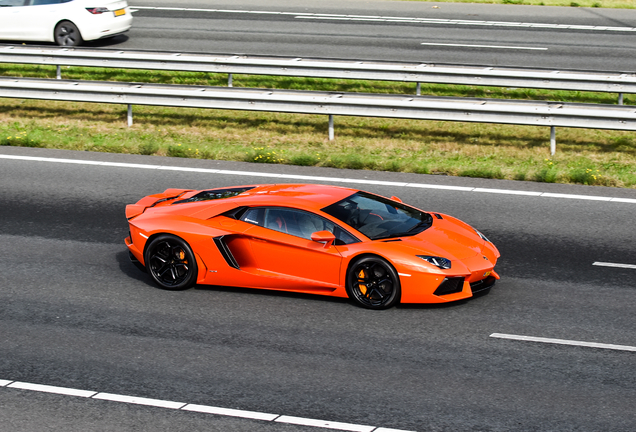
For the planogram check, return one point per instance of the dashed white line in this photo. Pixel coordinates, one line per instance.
(52, 389)
(181, 406)
(564, 342)
(406, 20)
(230, 412)
(324, 424)
(484, 46)
(319, 178)
(615, 265)
(139, 400)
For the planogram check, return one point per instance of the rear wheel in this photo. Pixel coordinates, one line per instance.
(373, 283)
(171, 263)
(67, 34)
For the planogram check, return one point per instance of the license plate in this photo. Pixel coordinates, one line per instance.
(120, 12)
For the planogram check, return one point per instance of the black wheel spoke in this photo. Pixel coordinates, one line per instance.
(170, 263)
(373, 283)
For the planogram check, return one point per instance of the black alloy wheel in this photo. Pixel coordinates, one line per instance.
(171, 263)
(67, 34)
(373, 283)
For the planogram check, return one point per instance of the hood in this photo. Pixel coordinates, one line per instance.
(448, 238)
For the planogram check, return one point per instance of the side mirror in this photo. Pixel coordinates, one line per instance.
(394, 198)
(324, 236)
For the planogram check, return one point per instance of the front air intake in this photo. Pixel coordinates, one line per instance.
(450, 285)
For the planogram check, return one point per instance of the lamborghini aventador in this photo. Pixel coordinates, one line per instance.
(309, 238)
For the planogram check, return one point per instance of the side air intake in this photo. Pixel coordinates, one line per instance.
(450, 285)
(225, 252)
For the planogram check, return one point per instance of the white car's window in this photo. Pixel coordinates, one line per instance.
(45, 2)
(9, 3)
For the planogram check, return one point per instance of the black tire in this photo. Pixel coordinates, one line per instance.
(170, 262)
(67, 34)
(373, 283)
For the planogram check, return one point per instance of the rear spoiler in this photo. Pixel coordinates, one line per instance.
(133, 210)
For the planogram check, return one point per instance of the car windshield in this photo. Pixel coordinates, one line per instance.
(379, 218)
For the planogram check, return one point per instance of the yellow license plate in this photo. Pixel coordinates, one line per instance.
(120, 12)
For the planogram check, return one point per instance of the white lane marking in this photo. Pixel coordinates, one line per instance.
(569, 196)
(230, 412)
(381, 429)
(139, 400)
(194, 408)
(324, 424)
(509, 192)
(320, 179)
(606, 264)
(484, 46)
(564, 342)
(408, 20)
(52, 389)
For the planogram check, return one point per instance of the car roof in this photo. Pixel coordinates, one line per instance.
(310, 197)
(307, 196)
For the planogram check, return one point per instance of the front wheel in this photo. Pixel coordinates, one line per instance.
(67, 34)
(373, 283)
(171, 263)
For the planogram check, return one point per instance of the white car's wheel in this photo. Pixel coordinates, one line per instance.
(67, 34)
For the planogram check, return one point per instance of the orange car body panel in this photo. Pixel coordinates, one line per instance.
(264, 258)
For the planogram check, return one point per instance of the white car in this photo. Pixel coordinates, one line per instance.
(65, 22)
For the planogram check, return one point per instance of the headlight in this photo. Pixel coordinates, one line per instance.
(443, 263)
(483, 237)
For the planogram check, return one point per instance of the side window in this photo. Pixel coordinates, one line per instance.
(295, 222)
(44, 2)
(343, 237)
(254, 216)
(9, 3)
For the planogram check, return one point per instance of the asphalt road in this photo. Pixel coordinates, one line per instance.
(459, 33)
(75, 313)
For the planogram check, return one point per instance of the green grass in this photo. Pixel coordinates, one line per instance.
(583, 156)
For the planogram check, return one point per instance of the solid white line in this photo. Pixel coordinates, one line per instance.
(606, 264)
(389, 430)
(324, 424)
(484, 46)
(584, 197)
(373, 18)
(564, 342)
(321, 179)
(230, 412)
(194, 408)
(51, 389)
(505, 191)
(139, 400)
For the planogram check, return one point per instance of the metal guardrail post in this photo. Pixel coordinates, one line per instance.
(58, 73)
(620, 98)
(331, 133)
(229, 80)
(130, 115)
(552, 140)
(418, 91)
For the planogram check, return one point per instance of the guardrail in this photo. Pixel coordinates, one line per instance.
(535, 113)
(608, 82)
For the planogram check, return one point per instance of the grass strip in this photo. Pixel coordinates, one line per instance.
(592, 157)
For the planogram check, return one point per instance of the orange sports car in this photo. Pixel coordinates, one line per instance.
(309, 238)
